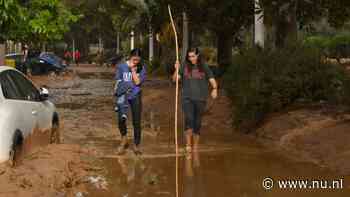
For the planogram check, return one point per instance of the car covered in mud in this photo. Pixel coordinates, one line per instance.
(47, 62)
(28, 118)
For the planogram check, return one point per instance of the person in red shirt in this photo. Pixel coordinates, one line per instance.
(77, 56)
(68, 56)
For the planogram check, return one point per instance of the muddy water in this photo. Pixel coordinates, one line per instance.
(227, 164)
(236, 172)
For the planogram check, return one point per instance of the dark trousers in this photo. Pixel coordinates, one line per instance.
(136, 110)
(193, 111)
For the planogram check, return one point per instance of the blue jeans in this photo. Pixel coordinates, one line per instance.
(122, 105)
(193, 112)
(136, 110)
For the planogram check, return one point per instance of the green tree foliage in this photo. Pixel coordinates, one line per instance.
(34, 20)
(48, 19)
(104, 19)
(223, 18)
(10, 13)
(285, 15)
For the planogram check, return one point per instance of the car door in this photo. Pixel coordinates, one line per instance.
(21, 116)
(32, 95)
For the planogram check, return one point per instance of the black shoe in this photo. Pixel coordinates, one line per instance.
(124, 118)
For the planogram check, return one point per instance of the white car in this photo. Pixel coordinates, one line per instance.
(27, 117)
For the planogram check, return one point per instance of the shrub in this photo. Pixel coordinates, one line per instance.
(320, 42)
(265, 81)
(337, 46)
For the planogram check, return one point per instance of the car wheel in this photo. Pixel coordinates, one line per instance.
(16, 150)
(55, 137)
(12, 158)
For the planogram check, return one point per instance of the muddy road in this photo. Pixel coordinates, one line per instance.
(228, 163)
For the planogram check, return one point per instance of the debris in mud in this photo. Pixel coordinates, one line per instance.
(26, 183)
(79, 194)
(99, 182)
(152, 179)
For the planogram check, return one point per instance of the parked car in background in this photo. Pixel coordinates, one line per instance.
(17, 58)
(26, 115)
(38, 62)
(47, 62)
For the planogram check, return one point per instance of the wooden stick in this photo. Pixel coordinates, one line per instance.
(176, 101)
(177, 78)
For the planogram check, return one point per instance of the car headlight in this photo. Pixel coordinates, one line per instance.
(42, 61)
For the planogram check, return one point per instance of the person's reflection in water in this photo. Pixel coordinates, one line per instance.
(132, 172)
(194, 179)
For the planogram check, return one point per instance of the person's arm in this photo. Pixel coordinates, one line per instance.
(118, 78)
(138, 78)
(135, 77)
(212, 81)
(177, 67)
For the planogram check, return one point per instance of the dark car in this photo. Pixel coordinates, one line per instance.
(45, 63)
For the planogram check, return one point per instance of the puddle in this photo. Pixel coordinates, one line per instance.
(208, 174)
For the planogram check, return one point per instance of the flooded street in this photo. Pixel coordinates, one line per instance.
(227, 164)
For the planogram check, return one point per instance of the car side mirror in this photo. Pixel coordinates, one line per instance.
(44, 94)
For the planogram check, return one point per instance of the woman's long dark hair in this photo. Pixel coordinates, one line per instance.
(137, 53)
(188, 63)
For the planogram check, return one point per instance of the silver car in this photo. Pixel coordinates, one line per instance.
(27, 118)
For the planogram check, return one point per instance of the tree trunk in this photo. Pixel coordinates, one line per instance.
(2, 53)
(286, 27)
(73, 51)
(225, 45)
(185, 38)
(118, 42)
(43, 47)
(292, 27)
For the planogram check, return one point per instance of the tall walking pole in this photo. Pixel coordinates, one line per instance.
(176, 101)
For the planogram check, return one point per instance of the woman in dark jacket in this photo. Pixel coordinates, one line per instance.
(195, 76)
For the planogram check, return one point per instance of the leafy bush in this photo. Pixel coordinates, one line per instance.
(337, 46)
(265, 81)
(320, 42)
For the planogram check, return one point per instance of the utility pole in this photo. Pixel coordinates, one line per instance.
(151, 44)
(132, 40)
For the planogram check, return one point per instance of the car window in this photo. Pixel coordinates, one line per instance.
(27, 89)
(9, 90)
